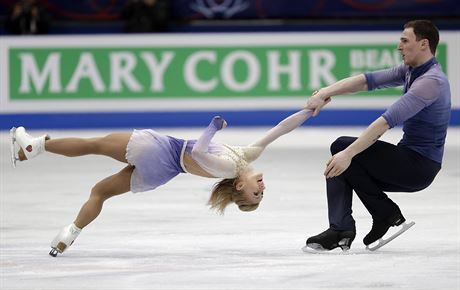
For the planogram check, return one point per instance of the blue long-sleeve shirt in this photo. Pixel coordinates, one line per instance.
(423, 110)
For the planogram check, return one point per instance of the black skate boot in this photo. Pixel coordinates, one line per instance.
(380, 228)
(331, 239)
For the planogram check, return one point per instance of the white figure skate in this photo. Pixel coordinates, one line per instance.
(31, 146)
(14, 147)
(64, 239)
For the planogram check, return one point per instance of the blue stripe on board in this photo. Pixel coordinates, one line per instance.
(100, 120)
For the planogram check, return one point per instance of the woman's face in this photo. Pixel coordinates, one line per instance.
(253, 187)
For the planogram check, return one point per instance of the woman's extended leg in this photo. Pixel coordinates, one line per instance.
(116, 184)
(112, 145)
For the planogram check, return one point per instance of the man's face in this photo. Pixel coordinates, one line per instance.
(411, 49)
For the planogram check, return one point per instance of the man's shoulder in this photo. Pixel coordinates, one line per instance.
(435, 73)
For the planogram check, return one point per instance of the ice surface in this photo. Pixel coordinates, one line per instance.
(168, 239)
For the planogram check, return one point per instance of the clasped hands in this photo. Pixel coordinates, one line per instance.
(317, 101)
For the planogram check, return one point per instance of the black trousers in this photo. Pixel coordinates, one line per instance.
(381, 167)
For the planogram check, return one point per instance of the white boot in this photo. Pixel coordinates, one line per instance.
(32, 146)
(64, 239)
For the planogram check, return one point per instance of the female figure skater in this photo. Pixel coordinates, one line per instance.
(153, 159)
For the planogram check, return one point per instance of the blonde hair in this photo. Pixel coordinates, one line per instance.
(224, 193)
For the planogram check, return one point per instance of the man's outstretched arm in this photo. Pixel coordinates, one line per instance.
(348, 85)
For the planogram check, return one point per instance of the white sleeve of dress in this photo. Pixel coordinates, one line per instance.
(212, 163)
(253, 150)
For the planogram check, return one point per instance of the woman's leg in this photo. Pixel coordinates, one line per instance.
(113, 185)
(112, 145)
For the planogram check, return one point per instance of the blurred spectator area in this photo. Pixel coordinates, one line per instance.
(105, 16)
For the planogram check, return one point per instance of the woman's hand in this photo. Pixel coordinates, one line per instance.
(338, 164)
(219, 123)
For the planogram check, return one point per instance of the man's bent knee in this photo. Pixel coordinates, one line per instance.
(341, 144)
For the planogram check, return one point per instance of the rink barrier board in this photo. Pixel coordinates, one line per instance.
(187, 119)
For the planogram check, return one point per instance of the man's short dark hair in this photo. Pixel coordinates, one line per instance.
(425, 29)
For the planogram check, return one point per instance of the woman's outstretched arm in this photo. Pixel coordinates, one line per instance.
(283, 127)
(254, 149)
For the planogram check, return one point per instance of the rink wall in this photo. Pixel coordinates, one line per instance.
(182, 80)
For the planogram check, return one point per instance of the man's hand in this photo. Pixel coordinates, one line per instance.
(337, 164)
(316, 102)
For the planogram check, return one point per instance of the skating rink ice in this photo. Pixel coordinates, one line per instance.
(168, 239)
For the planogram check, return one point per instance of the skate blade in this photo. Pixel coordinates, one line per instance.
(345, 244)
(318, 249)
(382, 242)
(14, 147)
(59, 249)
(53, 252)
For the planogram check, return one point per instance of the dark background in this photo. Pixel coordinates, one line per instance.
(103, 16)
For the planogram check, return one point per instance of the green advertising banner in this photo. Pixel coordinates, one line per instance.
(188, 72)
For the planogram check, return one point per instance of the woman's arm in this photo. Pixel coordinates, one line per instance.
(202, 144)
(283, 127)
(253, 150)
(211, 163)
